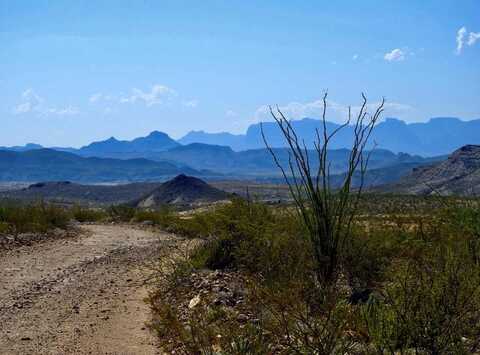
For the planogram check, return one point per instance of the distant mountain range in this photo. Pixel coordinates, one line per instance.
(235, 141)
(23, 148)
(215, 162)
(52, 165)
(400, 148)
(438, 136)
(155, 142)
(259, 162)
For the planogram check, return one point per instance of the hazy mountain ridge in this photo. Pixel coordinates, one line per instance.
(259, 162)
(155, 142)
(47, 164)
(438, 136)
(157, 156)
(235, 141)
(23, 148)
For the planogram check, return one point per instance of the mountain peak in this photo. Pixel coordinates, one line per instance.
(157, 134)
(33, 146)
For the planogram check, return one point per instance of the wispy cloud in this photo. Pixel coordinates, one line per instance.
(95, 97)
(463, 40)
(34, 103)
(336, 112)
(460, 39)
(473, 37)
(66, 111)
(31, 101)
(158, 94)
(231, 113)
(395, 55)
(191, 103)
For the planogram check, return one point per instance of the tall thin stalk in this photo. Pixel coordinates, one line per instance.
(326, 212)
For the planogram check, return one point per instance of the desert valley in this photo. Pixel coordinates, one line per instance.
(240, 178)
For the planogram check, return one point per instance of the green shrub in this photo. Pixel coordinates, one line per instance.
(82, 214)
(431, 305)
(4, 227)
(252, 237)
(164, 217)
(121, 213)
(36, 217)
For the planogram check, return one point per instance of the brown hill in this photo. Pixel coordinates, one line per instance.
(458, 175)
(182, 190)
(72, 193)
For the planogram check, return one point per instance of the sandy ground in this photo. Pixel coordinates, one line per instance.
(80, 296)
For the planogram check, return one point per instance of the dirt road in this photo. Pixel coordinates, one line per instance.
(79, 296)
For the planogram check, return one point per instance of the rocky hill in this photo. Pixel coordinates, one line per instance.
(182, 190)
(67, 192)
(459, 174)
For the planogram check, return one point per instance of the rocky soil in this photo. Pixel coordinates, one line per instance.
(80, 295)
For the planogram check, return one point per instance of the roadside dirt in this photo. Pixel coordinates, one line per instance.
(83, 295)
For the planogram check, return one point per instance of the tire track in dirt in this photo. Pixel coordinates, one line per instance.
(80, 296)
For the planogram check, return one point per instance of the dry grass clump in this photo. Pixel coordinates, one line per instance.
(36, 217)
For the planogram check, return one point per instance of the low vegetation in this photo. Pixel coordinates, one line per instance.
(38, 217)
(401, 288)
(335, 273)
(407, 282)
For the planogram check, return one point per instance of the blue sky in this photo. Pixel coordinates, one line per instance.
(76, 71)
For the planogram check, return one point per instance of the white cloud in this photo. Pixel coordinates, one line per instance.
(100, 97)
(191, 103)
(67, 111)
(157, 95)
(460, 39)
(95, 97)
(396, 55)
(22, 108)
(31, 102)
(34, 103)
(335, 112)
(231, 113)
(472, 38)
